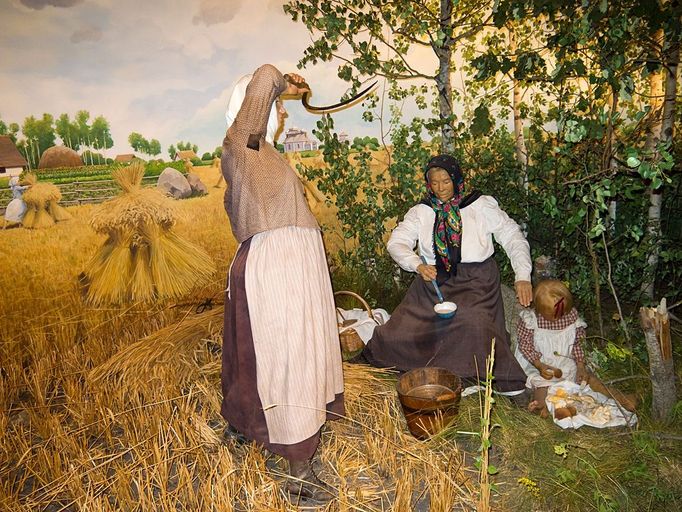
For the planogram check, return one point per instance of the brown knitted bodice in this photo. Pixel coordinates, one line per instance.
(263, 190)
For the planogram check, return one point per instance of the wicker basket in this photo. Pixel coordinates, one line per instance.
(351, 343)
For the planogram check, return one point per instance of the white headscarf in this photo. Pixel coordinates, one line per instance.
(235, 103)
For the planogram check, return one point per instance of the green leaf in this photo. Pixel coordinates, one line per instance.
(632, 162)
(481, 123)
(560, 449)
(492, 470)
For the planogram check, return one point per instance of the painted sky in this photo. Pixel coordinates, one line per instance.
(161, 68)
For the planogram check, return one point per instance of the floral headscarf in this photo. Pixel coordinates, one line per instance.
(447, 229)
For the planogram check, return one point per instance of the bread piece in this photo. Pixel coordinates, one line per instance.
(565, 412)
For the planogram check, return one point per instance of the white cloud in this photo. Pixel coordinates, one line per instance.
(199, 47)
(155, 72)
(214, 12)
(88, 34)
(40, 4)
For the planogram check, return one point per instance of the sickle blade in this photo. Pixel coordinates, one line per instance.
(336, 106)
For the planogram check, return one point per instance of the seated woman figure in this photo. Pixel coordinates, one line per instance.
(453, 233)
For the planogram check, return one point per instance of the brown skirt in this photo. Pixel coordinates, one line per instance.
(415, 336)
(241, 406)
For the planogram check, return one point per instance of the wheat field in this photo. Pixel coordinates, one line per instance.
(117, 408)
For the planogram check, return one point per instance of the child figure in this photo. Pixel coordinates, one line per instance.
(549, 337)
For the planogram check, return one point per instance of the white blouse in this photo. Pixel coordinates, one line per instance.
(480, 221)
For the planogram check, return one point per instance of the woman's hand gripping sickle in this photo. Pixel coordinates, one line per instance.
(296, 85)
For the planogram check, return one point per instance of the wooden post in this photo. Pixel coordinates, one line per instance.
(656, 325)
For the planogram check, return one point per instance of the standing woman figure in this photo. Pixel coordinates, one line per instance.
(281, 364)
(453, 232)
(16, 209)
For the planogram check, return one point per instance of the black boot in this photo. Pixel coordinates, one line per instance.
(304, 483)
(232, 434)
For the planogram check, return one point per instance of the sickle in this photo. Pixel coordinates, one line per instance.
(329, 108)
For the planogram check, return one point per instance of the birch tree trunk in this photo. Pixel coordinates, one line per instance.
(663, 89)
(443, 83)
(519, 140)
(612, 163)
(656, 326)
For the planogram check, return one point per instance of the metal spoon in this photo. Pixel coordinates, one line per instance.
(435, 284)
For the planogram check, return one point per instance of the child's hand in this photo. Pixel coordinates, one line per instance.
(582, 374)
(548, 372)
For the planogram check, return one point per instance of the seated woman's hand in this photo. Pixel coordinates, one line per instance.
(428, 272)
(524, 292)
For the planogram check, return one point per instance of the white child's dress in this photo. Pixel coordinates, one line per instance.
(556, 347)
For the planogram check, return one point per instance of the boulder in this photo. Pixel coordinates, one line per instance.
(198, 187)
(512, 308)
(59, 156)
(173, 184)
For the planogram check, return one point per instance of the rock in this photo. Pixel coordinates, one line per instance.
(174, 184)
(198, 187)
(544, 268)
(512, 308)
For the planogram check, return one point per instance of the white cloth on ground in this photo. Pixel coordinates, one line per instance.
(481, 220)
(364, 325)
(556, 347)
(594, 409)
(293, 325)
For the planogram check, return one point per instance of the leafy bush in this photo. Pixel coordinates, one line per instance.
(367, 201)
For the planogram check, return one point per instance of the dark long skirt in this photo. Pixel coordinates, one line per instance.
(241, 406)
(415, 336)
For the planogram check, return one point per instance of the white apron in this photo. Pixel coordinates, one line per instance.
(295, 336)
(556, 347)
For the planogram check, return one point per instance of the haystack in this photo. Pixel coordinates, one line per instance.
(59, 156)
(142, 259)
(42, 208)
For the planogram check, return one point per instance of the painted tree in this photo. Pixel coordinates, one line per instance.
(186, 146)
(38, 136)
(148, 147)
(138, 142)
(100, 134)
(11, 129)
(68, 131)
(154, 147)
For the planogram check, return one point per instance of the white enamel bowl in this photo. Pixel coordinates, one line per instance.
(445, 309)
